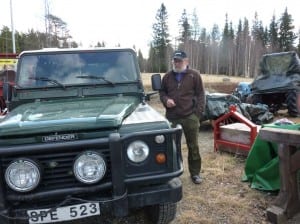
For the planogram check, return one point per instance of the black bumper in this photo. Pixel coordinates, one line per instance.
(170, 192)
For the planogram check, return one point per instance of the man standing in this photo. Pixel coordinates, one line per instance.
(183, 96)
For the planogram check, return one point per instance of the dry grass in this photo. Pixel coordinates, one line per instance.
(212, 83)
(206, 78)
(222, 197)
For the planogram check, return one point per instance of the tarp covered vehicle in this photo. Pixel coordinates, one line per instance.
(278, 83)
(218, 104)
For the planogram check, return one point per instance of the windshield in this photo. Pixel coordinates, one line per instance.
(62, 69)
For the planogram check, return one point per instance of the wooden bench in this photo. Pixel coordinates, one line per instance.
(287, 203)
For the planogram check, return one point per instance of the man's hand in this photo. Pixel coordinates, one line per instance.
(170, 103)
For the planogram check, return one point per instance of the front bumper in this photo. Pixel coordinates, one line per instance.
(170, 192)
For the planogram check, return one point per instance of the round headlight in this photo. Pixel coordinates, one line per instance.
(138, 151)
(89, 167)
(22, 175)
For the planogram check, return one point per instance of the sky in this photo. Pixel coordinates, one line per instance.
(129, 22)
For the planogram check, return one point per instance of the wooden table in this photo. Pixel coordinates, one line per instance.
(287, 203)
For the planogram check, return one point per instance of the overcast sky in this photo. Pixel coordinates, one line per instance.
(129, 22)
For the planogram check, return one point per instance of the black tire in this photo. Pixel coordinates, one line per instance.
(162, 213)
(291, 101)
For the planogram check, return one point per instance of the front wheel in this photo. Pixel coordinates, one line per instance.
(161, 213)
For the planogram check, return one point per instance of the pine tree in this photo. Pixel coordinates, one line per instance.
(204, 62)
(258, 31)
(58, 31)
(161, 40)
(286, 34)
(298, 45)
(215, 40)
(265, 37)
(247, 47)
(225, 45)
(141, 60)
(194, 47)
(257, 46)
(185, 28)
(5, 40)
(273, 35)
(195, 27)
(239, 49)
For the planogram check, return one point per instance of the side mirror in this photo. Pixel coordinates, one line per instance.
(7, 91)
(156, 82)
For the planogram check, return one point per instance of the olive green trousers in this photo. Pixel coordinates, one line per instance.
(190, 126)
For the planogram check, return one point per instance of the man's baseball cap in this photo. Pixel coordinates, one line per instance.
(179, 55)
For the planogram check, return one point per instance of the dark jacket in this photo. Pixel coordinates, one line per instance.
(188, 94)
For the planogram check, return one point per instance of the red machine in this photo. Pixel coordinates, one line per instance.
(7, 74)
(230, 144)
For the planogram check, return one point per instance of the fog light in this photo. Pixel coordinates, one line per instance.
(159, 139)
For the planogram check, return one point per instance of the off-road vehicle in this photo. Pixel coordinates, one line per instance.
(81, 142)
(278, 83)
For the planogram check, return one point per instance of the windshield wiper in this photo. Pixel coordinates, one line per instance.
(45, 79)
(95, 77)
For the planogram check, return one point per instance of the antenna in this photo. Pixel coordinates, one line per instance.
(12, 28)
(47, 23)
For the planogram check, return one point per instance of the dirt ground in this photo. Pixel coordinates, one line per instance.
(222, 198)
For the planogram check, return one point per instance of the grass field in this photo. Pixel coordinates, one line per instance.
(212, 83)
(205, 77)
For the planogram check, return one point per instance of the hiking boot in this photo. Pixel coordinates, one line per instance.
(196, 179)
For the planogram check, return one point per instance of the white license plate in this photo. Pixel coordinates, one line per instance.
(63, 213)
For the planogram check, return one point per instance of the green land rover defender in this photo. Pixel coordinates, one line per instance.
(80, 142)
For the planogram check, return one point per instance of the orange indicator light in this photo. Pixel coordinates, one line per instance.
(160, 158)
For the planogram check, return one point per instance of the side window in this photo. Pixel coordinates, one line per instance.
(27, 71)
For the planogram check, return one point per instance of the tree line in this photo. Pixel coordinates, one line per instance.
(230, 51)
(56, 35)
